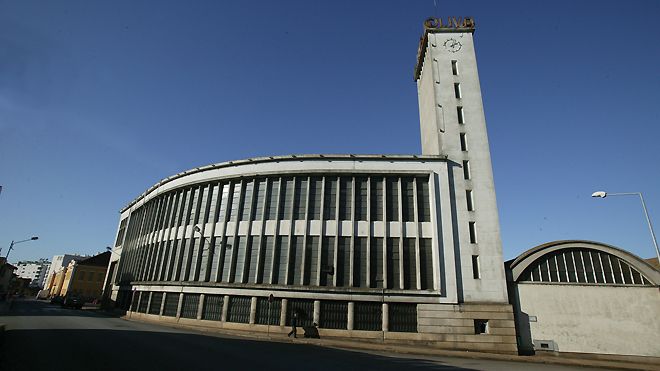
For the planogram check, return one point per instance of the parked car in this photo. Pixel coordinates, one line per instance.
(73, 302)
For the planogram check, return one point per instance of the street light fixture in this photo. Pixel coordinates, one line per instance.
(11, 246)
(603, 194)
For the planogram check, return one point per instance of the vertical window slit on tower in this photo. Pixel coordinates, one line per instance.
(457, 90)
(463, 137)
(460, 114)
(473, 232)
(454, 68)
(466, 169)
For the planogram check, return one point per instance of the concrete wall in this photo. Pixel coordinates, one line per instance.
(594, 319)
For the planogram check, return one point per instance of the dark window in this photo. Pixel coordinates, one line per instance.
(311, 260)
(457, 90)
(268, 312)
(327, 261)
(460, 114)
(377, 198)
(224, 201)
(426, 263)
(268, 254)
(402, 317)
(463, 137)
(239, 309)
(475, 267)
(360, 262)
(345, 195)
(273, 198)
(361, 198)
(260, 192)
(279, 270)
(226, 258)
(247, 200)
(300, 199)
(454, 68)
(156, 301)
(392, 202)
(330, 199)
(240, 251)
(480, 326)
(305, 310)
(315, 188)
(235, 201)
(144, 301)
(393, 275)
(213, 307)
(409, 264)
(423, 200)
(190, 305)
(287, 201)
(473, 232)
(334, 314)
(343, 261)
(367, 316)
(468, 198)
(408, 199)
(466, 169)
(376, 262)
(254, 259)
(171, 304)
(295, 264)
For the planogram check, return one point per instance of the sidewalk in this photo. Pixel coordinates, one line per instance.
(400, 348)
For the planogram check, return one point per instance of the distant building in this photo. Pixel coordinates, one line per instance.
(6, 274)
(58, 262)
(83, 278)
(34, 270)
(585, 297)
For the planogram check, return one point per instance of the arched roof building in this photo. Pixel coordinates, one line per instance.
(586, 297)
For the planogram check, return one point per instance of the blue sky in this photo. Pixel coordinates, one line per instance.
(100, 100)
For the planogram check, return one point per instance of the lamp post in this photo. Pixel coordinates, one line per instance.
(11, 246)
(603, 194)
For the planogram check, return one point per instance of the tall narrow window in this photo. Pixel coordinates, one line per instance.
(454, 68)
(461, 116)
(260, 192)
(469, 200)
(466, 169)
(457, 90)
(361, 194)
(287, 200)
(408, 199)
(464, 142)
(376, 198)
(345, 196)
(330, 199)
(475, 267)
(300, 199)
(392, 199)
(473, 232)
(315, 188)
(423, 201)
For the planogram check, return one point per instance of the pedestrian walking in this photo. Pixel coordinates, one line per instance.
(294, 323)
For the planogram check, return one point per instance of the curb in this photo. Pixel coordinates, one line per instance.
(398, 348)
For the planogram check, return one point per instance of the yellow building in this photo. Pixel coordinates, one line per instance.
(82, 278)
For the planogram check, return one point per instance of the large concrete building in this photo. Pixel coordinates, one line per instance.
(391, 247)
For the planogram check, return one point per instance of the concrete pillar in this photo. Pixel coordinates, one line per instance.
(283, 313)
(200, 306)
(225, 308)
(253, 310)
(386, 315)
(162, 303)
(351, 306)
(178, 307)
(317, 311)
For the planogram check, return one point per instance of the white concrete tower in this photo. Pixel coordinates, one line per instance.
(453, 124)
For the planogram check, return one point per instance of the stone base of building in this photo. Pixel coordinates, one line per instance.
(441, 326)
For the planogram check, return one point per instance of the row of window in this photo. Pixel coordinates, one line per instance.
(333, 314)
(302, 197)
(467, 174)
(376, 262)
(583, 266)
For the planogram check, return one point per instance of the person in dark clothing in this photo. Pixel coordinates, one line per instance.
(294, 323)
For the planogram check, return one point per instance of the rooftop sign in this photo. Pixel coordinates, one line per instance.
(451, 23)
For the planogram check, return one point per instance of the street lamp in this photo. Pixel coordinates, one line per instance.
(11, 246)
(603, 194)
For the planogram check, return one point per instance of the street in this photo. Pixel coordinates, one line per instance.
(42, 336)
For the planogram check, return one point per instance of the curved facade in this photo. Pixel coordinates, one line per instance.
(372, 246)
(585, 297)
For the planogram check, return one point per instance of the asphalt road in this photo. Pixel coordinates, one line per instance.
(40, 336)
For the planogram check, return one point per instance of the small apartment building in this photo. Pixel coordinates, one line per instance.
(83, 278)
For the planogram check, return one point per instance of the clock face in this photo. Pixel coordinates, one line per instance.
(452, 45)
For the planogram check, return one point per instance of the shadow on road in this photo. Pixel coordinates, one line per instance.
(30, 307)
(139, 350)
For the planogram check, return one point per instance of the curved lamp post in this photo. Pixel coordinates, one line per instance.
(11, 246)
(603, 194)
